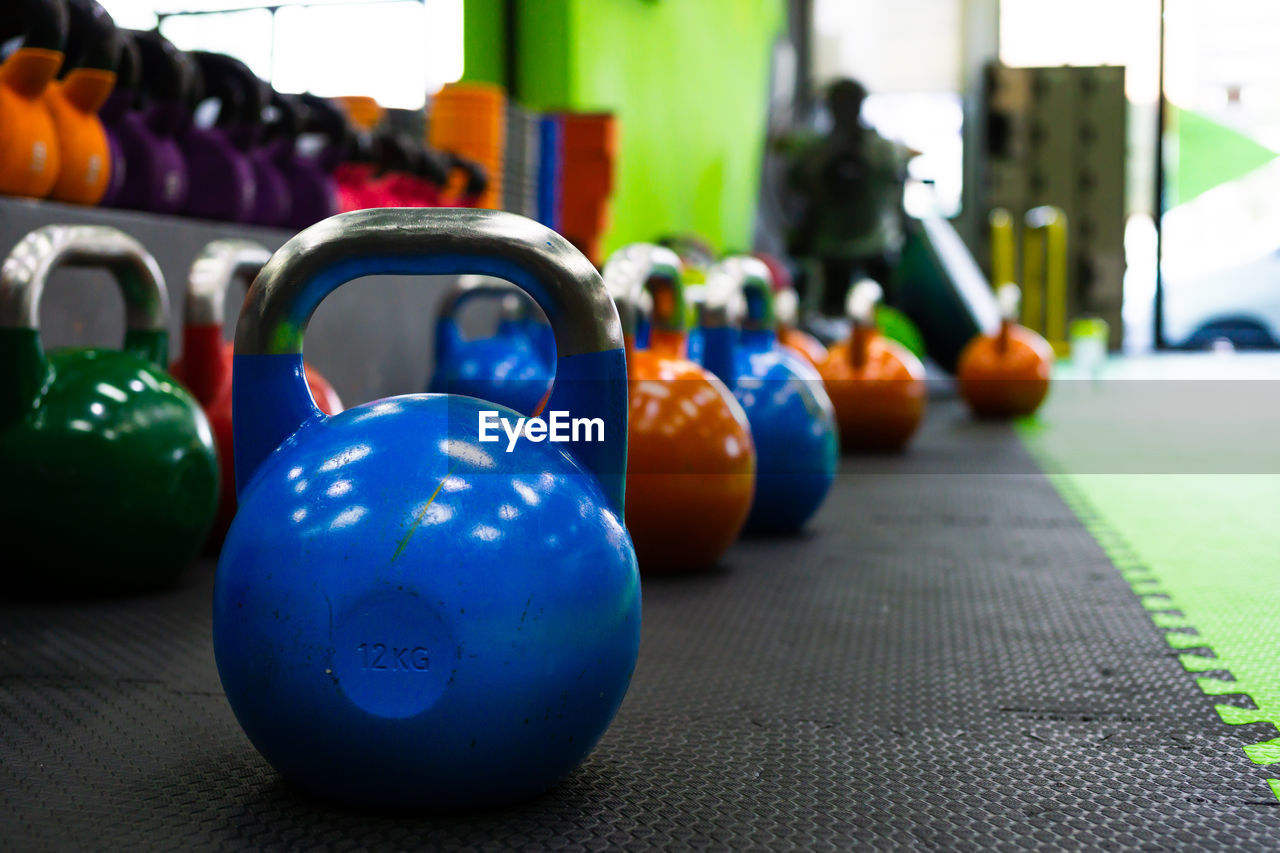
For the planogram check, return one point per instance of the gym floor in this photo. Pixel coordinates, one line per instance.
(961, 653)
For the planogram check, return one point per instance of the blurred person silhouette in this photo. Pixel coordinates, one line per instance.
(848, 187)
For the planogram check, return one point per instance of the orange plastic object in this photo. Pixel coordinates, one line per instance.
(690, 459)
(29, 154)
(590, 147)
(84, 153)
(470, 119)
(803, 344)
(691, 462)
(364, 112)
(877, 385)
(1005, 375)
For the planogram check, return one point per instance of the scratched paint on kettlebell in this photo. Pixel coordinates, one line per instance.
(421, 515)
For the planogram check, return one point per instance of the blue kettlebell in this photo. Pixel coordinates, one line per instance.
(791, 416)
(408, 615)
(512, 367)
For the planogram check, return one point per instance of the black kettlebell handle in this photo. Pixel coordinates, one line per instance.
(128, 61)
(322, 116)
(230, 82)
(287, 121)
(433, 167)
(477, 176)
(91, 38)
(164, 73)
(41, 23)
(392, 153)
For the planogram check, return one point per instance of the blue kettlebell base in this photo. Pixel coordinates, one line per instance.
(408, 619)
(785, 501)
(793, 427)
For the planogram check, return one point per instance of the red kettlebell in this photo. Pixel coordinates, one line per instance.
(877, 385)
(205, 365)
(691, 461)
(1006, 375)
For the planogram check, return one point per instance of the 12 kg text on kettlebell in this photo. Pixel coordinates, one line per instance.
(556, 427)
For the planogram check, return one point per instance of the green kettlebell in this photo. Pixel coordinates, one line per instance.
(111, 479)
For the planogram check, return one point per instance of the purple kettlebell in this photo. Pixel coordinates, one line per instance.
(308, 163)
(223, 184)
(273, 131)
(142, 117)
(112, 113)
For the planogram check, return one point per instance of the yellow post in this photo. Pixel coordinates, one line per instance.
(1044, 291)
(1003, 256)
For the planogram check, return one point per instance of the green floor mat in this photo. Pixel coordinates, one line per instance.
(1175, 470)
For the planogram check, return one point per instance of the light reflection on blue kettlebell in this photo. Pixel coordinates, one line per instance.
(406, 617)
(512, 367)
(791, 416)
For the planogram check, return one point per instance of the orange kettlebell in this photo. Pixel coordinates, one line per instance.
(691, 462)
(786, 308)
(28, 140)
(1005, 375)
(88, 75)
(877, 385)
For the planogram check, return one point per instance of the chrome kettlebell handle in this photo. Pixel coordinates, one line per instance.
(437, 241)
(786, 307)
(1009, 298)
(219, 264)
(860, 304)
(632, 271)
(739, 290)
(28, 266)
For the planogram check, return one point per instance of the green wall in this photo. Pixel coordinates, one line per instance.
(689, 82)
(482, 41)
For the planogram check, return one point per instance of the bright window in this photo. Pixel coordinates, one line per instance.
(394, 51)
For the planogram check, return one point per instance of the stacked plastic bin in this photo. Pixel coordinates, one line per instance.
(590, 148)
(550, 162)
(471, 119)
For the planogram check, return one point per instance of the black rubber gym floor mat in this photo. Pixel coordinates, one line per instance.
(945, 661)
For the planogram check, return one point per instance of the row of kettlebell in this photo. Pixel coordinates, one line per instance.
(874, 381)
(117, 419)
(875, 376)
(92, 114)
(734, 421)
(408, 617)
(387, 169)
(743, 438)
(404, 617)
